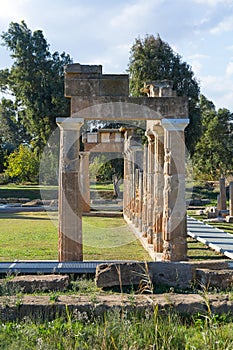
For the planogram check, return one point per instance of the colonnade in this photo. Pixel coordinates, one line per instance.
(154, 187)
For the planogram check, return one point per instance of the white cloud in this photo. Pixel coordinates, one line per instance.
(229, 69)
(224, 26)
(13, 10)
(219, 90)
(196, 61)
(133, 14)
(212, 2)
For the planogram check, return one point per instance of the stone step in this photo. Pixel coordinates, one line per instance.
(36, 283)
(220, 279)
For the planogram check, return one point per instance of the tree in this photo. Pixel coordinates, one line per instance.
(153, 59)
(104, 166)
(35, 80)
(12, 130)
(23, 165)
(213, 155)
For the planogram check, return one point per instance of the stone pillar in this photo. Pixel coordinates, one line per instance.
(131, 186)
(70, 198)
(150, 187)
(137, 151)
(127, 184)
(85, 181)
(229, 218)
(136, 217)
(231, 199)
(174, 211)
(140, 191)
(222, 203)
(158, 188)
(126, 200)
(144, 195)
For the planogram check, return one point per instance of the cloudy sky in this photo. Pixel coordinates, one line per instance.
(102, 32)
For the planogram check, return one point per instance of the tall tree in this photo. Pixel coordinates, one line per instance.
(35, 80)
(153, 59)
(12, 131)
(213, 155)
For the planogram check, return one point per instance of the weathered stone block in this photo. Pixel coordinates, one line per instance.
(125, 274)
(82, 87)
(36, 283)
(114, 85)
(83, 69)
(215, 278)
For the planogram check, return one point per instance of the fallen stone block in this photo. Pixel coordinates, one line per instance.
(158, 273)
(37, 283)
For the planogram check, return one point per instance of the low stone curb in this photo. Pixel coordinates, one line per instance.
(42, 307)
(36, 283)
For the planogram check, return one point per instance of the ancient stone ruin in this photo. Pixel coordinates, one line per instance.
(154, 173)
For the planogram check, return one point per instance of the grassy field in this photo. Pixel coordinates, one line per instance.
(34, 236)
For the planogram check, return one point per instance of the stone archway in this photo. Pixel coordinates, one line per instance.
(155, 198)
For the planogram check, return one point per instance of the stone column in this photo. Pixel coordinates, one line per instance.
(127, 184)
(136, 213)
(140, 193)
(131, 186)
(158, 188)
(174, 211)
(144, 195)
(85, 181)
(222, 203)
(150, 186)
(231, 199)
(229, 218)
(70, 198)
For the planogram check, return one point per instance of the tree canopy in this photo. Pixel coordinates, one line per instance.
(153, 59)
(213, 155)
(35, 81)
(23, 165)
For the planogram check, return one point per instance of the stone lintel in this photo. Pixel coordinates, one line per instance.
(104, 147)
(130, 108)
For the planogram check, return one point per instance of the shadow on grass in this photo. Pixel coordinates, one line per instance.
(23, 217)
(206, 257)
(194, 248)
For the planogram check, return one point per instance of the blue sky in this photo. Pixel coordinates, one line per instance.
(102, 32)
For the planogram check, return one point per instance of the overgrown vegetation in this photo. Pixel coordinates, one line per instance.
(121, 330)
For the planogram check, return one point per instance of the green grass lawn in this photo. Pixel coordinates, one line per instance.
(34, 236)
